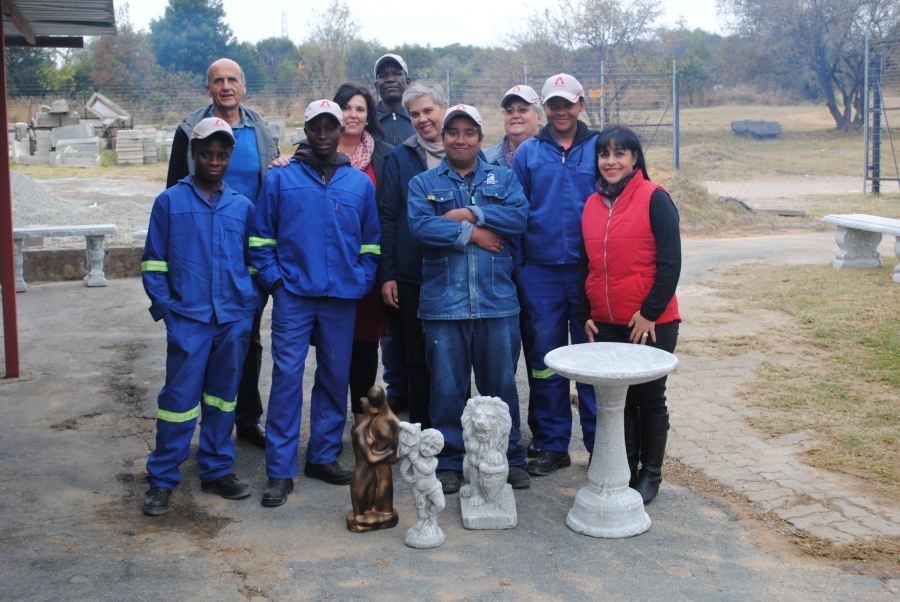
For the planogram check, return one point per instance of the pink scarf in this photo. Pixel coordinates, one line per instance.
(362, 156)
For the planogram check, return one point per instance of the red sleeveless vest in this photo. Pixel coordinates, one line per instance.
(621, 254)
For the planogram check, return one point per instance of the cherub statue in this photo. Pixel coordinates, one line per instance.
(487, 500)
(418, 449)
(375, 440)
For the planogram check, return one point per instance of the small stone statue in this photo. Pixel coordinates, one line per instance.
(375, 440)
(418, 449)
(487, 500)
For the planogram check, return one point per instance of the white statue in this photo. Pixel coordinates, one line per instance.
(418, 449)
(487, 500)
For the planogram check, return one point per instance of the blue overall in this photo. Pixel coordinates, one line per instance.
(195, 271)
(557, 183)
(317, 245)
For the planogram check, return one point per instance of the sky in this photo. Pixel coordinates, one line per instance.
(392, 23)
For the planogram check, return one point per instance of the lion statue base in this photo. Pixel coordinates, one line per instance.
(487, 501)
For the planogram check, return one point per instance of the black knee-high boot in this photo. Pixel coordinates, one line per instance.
(654, 432)
(632, 441)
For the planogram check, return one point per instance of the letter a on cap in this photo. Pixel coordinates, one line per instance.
(559, 82)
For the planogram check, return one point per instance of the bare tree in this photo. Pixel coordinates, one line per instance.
(825, 36)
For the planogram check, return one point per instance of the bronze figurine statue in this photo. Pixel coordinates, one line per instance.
(376, 436)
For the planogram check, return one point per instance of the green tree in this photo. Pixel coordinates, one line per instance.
(272, 52)
(29, 71)
(190, 35)
(122, 66)
(825, 37)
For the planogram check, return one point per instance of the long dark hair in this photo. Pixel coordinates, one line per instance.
(348, 91)
(619, 136)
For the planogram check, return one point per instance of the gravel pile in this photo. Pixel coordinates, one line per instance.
(34, 205)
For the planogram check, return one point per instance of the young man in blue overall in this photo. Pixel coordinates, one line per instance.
(462, 212)
(556, 169)
(315, 240)
(196, 273)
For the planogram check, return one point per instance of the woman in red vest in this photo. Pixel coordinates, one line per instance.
(632, 261)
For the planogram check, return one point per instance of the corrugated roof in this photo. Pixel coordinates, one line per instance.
(64, 17)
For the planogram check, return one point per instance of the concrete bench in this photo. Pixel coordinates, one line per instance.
(94, 251)
(858, 237)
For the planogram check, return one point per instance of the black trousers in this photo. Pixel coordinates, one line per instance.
(405, 324)
(646, 398)
(363, 369)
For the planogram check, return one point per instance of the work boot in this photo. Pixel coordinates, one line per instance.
(518, 477)
(632, 441)
(276, 491)
(450, 480)
(548, 462)
(332, 473)
(229, 487)
(156, 501)
(654, 432)
(252, 433)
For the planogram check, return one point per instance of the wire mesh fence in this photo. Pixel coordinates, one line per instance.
(644, 100)
(882, 123)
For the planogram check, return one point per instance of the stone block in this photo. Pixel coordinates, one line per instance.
(70, 132)
(501, 514)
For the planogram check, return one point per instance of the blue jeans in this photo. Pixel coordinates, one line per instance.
(453, 349)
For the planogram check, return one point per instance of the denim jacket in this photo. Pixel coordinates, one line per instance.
(460, 280)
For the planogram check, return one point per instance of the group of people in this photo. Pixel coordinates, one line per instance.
(391, 226)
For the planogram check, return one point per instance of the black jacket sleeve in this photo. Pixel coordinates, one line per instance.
(583, 310)
(665, 224)
(178, 163)
(391, 211)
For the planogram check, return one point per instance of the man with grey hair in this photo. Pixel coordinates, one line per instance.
(522, 115)
(401, 257)
(256, 145)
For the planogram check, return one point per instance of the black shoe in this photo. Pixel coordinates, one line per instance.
(277, 491)
(534, 448)
(518, 477)
(450, 480)
(332, 473)
(654, 432)
(254, 434)
(156, 501)
(229, 487)
(548, 462)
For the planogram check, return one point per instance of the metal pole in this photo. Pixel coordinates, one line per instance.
(448, 88)
(7, 262)
(602, 95)
(525, 73)
(866, 113)
(676, 118)
(876, 125)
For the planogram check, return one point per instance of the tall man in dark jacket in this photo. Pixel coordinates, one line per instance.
(391, 80)
(256, 146)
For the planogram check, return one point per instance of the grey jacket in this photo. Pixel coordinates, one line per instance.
(180, 162)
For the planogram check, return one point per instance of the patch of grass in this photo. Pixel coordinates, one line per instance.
(154, 171)
(886, 204)
(843, 379)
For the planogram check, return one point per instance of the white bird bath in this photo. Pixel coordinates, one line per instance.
(607, 507)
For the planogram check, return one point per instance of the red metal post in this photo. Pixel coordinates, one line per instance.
(7, 262)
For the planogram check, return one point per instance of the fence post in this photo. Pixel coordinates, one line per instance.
(676, 118)
(525, 73)
(602, 94)
(866, 67)
(448, 88)
(876, 124)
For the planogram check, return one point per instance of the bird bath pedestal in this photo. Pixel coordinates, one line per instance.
(607, 507)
